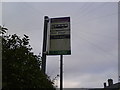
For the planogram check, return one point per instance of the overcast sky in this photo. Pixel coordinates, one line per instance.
(94, 38)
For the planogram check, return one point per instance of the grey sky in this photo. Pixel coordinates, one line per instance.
(94, 31)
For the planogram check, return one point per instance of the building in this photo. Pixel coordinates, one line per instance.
(110, 86)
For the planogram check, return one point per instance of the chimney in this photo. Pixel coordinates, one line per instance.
(104, 84)
(110, 82)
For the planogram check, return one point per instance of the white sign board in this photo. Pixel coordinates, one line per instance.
(59, 38)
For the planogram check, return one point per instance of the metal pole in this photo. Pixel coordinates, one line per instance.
(46, 20)
(61, 72)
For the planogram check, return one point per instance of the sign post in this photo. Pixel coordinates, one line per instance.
(61, 72)
(56, 41)
(46, 20)
(59, 41)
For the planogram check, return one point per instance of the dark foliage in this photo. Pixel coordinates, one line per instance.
(20, 67)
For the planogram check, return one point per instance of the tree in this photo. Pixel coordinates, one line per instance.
(20, 67)
(3, 30)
